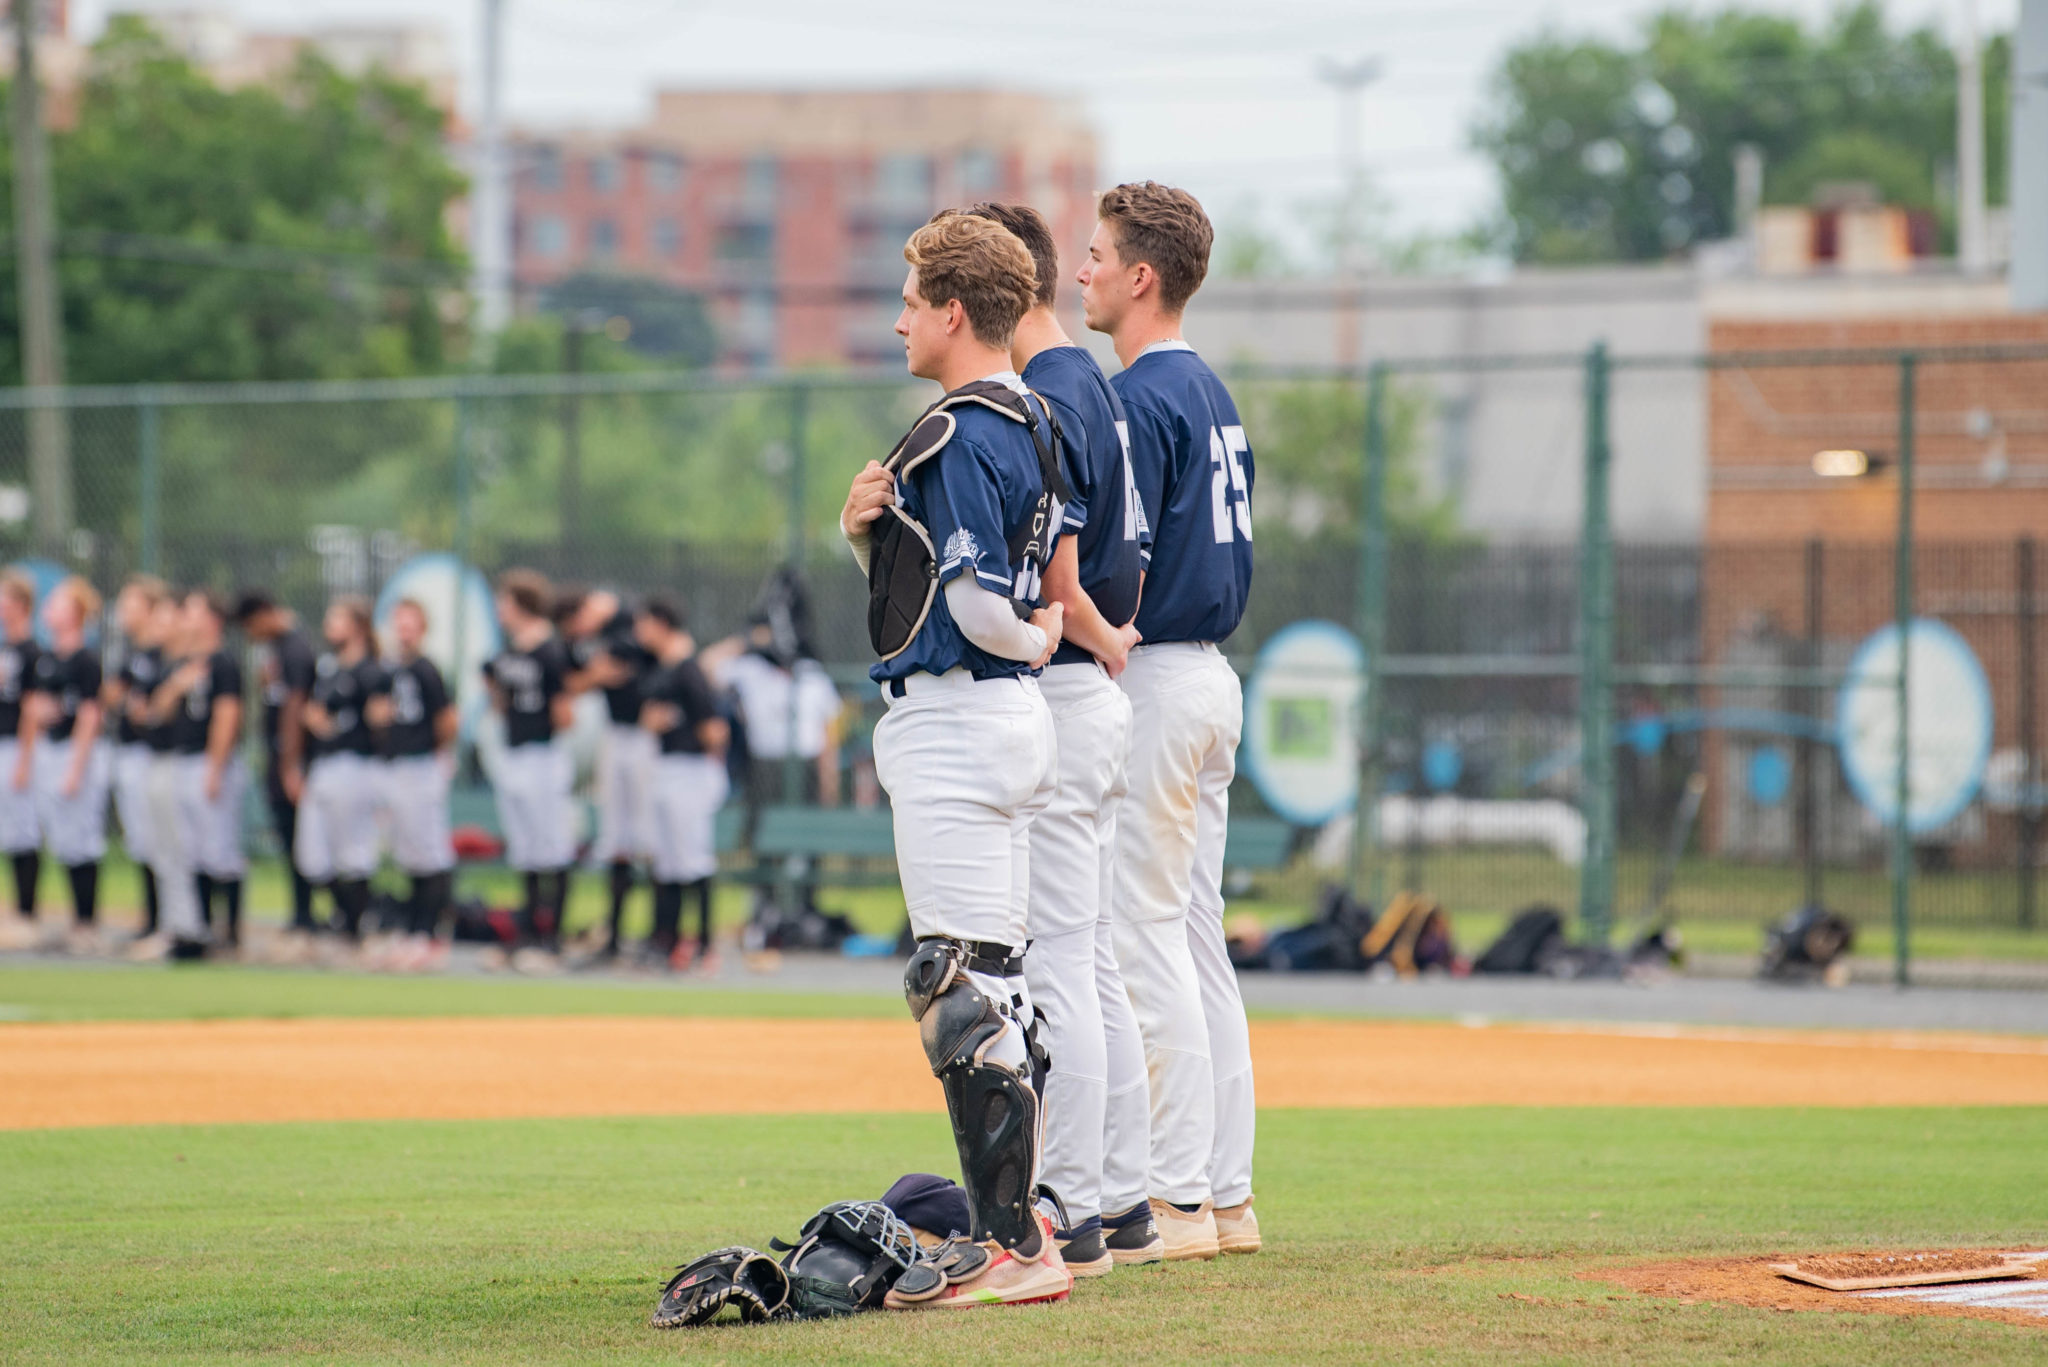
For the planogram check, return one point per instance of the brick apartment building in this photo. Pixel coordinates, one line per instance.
(1799, 566)
(789, 209)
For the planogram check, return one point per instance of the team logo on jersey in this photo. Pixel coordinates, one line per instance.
(960, 546)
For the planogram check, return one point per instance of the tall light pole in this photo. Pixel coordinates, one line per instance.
(1973, 250)
(490, 204)
(1349, 78)
(42, 325)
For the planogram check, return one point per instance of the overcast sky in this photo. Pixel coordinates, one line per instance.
(1221, 97)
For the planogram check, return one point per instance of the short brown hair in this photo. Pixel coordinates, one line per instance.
(1029, 227)
(16, 584)
(529, 591)
(982, 264)
(1166, 229)
(148, 587)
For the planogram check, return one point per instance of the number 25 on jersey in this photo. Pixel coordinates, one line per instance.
(1230, 501)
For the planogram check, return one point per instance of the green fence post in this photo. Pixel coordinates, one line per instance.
(1902, 608)
(799, 421)
(461, 544)
(1596, 665)
(149, 456)
(1372, 633)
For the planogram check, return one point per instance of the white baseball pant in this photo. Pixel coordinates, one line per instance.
(532, 783)
(1072, 854)
(415, 798)
(19, 833)
(1188, 712)
(625, 795)
(131, 799)
(74, 827)
(687, 792)
(172, 842)
(967, 764)
(212, 825)
(337, 834)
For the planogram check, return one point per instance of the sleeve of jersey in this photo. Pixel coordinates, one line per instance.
(1078, 446)
(1151, 456)
(89, 677)
(227, 678)
(297, 668)
(964, 502)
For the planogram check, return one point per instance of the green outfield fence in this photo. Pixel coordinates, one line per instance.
(1534, 712)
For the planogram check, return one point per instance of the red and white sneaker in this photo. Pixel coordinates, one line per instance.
(1006, 1277)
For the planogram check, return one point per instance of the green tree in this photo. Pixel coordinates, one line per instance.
(296, 232)
(1625, 151)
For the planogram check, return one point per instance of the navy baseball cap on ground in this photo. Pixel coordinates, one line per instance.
(930, 1202)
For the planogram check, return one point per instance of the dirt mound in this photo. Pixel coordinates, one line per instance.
(1750, 1281)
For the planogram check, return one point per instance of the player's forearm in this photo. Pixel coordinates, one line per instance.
(989, 622)
(1085, 625)
(84, 732)
(291, 742)
(222, 733)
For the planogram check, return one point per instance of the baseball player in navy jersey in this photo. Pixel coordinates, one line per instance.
(417, 722)
(196, 786)
(284, 673)
(126, 696)
(688, 779)
(606, 656)
(337, 836)
(967, 749)
(1096, 1103)
(1193, 474)
(530, 688)
(72, 769)
(20, 837)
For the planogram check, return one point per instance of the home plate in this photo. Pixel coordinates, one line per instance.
(2021, 1297)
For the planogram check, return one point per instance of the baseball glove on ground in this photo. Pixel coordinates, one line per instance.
(736, 1276)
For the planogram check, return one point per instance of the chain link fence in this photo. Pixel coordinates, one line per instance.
(1726, 661)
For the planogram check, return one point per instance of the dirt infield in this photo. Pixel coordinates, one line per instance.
(463, 1068)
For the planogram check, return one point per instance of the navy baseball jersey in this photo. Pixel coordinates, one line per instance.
(1193, 471)
(71, 681)
(970, 497)
(418, 697)
(530, 681)
(682, 686)
(287, 668)
(1104, 514)
(17, 676)
(343, 690)
(615, 639)
(140, 673)
(191, 724)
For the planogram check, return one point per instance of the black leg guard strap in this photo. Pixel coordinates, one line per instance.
(994, 1110)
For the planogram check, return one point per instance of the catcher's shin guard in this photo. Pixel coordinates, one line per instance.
(992, 1104)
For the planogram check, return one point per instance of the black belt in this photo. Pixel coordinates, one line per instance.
(990, 956)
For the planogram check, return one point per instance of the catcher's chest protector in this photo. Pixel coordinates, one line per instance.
(903, 565)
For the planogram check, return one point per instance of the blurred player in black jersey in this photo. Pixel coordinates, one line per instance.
(689, 779)
(285, 672)
(337, 835)
(530, 689)
(417, 722)
(20, 838)
(196, 787)
(125, 696)
(605, 655)
(72, 769)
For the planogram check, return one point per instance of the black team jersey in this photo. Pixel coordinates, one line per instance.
(682, 686)
(17, 676)
(72, 680)
(418, 696)
(530, 681)
(616, 639)
(140, 673)
(193, 722)
(344, 691)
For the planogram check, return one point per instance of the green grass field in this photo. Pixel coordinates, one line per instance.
(1396, 1235)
